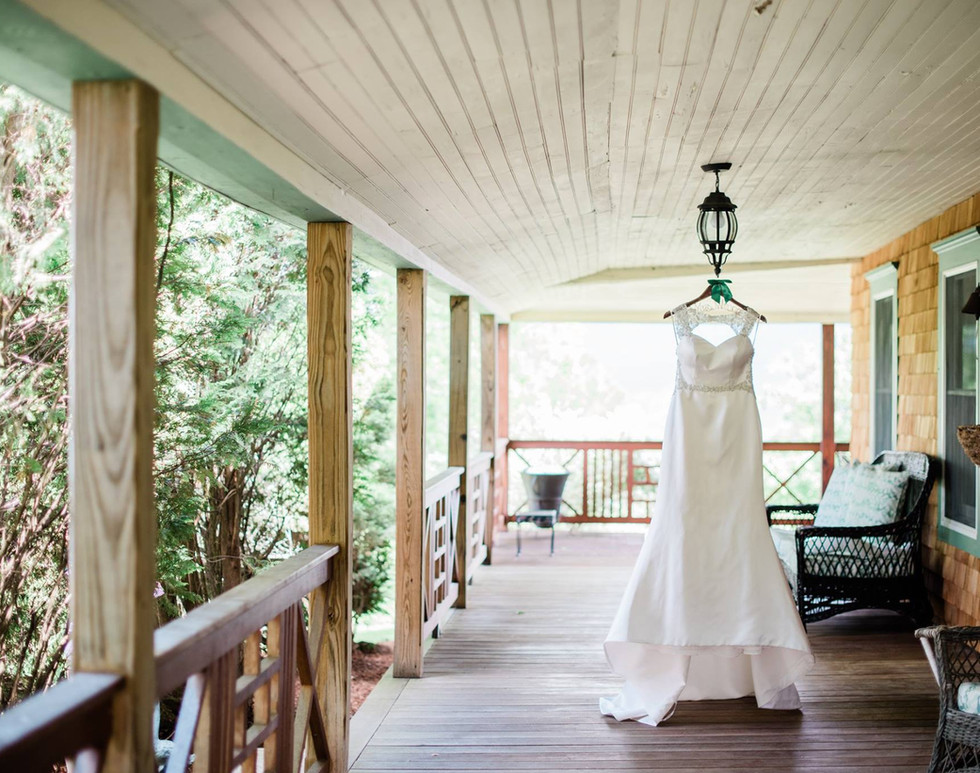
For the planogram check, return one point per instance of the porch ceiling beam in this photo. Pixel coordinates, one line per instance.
(656, 315)
(46, 44)
(640, 273)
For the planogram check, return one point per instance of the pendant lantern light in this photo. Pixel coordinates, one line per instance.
(717, 225)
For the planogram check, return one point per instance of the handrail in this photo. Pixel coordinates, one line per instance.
(438, 486)
(479, 463)
(618, 480)
(201, 651)
(185, 646)
(60, 722)
(653, 445)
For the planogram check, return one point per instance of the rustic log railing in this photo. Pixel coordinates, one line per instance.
(239, 660)
(440, 580)
(617, 481)
(479, 509)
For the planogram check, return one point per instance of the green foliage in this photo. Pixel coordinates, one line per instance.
(230, 466)
(34, 200)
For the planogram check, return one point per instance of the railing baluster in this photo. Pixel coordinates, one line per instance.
(187, 722)
(282, 695)
(630, 472)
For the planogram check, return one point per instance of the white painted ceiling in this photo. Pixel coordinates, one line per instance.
(528, 143)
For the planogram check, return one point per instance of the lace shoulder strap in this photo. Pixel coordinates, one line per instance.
(744, 321)
(687, 318)
(683, 324)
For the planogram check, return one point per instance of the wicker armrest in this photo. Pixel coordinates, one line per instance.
(928, 633)
(885, 530)
(965, 633)
(791, 514)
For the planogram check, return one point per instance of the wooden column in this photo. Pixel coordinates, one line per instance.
(459, 370)
(110, 367)
(503, 424)
(328, 325)
(828, 441)
(410, 472)
(488, 406)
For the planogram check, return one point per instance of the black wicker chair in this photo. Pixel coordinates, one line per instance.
(868, 567)
(956, 660)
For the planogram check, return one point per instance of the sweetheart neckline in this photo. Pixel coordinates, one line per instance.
(719, 345)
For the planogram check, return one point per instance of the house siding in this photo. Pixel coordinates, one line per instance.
(952, 575)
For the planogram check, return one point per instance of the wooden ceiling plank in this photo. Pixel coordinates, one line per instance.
(675, 49)
(634, 94)
(458, 129)
(597, 21)
(926, 115)
(441, 25)
(857, 92)
(541, 60)
(430, 114)
(509, 88)
(688, 183)
(376, 83)
(329, 131)
(847, 30)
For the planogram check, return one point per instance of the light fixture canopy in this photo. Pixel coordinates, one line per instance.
(717, 224)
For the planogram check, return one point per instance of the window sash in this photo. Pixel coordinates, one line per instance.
(957, 398)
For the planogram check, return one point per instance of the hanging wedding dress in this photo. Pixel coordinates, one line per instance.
(707, 613)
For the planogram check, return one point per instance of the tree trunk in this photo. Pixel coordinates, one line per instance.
(226, 515)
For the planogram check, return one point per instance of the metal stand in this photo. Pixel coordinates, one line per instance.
(540, 518)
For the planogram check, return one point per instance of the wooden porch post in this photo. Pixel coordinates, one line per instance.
(500, 458)
(828, 443)
(488, 407)
(410, 472)
(459, 370)
(110, 367)
(328, 315)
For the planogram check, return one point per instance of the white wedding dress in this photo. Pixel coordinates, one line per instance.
(707, 613)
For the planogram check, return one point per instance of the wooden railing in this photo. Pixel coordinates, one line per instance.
(71, 720)
(439, 575)
(239, 660)
(479, 509)
(617, 481)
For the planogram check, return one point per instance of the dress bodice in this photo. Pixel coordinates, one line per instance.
(705, 367)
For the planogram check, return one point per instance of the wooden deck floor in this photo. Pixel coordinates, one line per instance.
(514, 681)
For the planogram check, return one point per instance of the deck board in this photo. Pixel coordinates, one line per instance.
(514, 681)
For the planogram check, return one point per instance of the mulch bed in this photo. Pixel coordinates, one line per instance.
(368, 665)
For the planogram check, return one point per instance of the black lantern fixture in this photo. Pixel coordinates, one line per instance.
(717, 224)
(973, 304)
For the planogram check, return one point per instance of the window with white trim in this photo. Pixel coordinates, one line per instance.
(883, 283)
(959, 260)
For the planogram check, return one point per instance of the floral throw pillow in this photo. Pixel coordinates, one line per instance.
(875, 495)
(832, 510)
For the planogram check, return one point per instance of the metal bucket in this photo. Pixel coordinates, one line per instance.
(544, 487)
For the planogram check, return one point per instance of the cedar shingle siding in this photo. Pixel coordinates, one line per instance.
(952, 575)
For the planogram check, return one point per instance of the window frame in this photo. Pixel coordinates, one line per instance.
(883, 283)
(958, 254)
